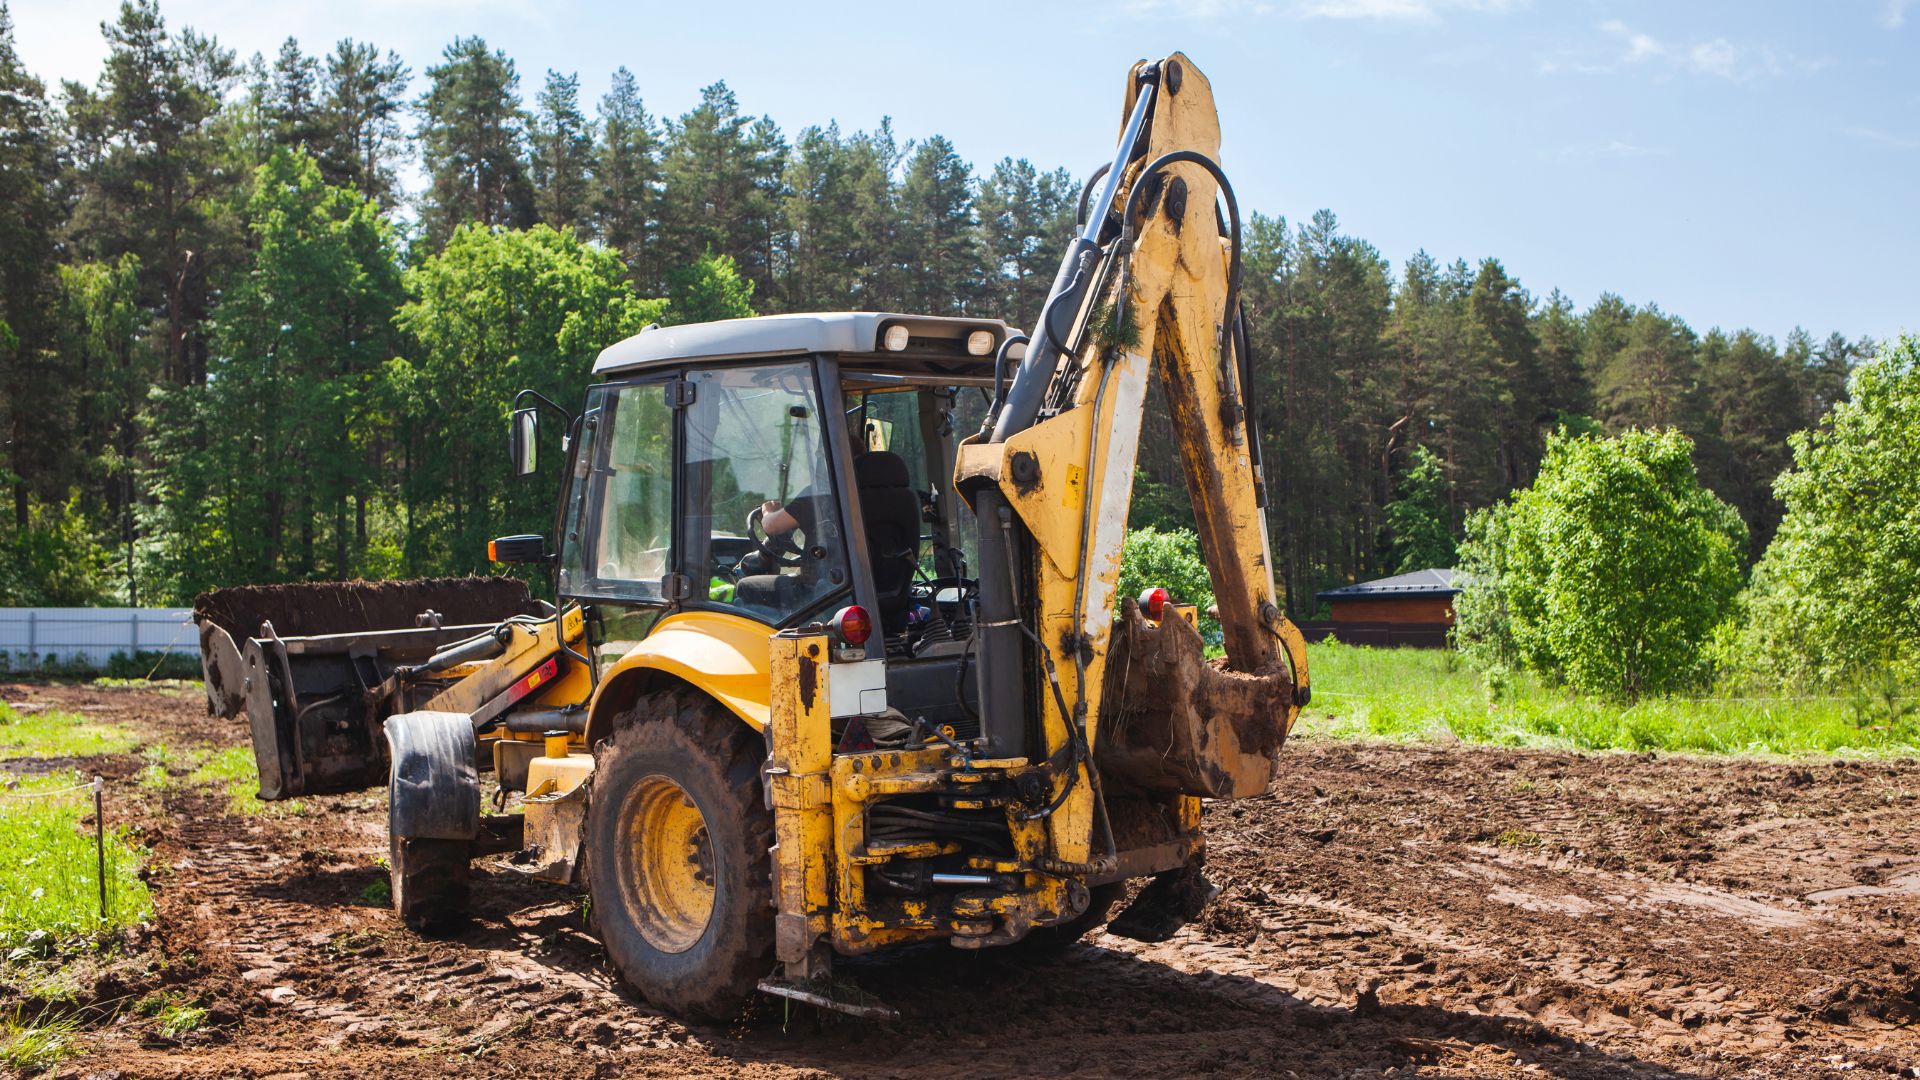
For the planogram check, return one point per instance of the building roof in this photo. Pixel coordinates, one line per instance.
(793, 334)
(1418, 583)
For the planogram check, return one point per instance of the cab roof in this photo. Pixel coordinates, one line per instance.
(936, 344)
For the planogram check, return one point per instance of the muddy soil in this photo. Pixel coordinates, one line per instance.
(1386, 909)
(342, 607)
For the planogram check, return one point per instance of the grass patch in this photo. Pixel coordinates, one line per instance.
(236, 770)
(377, 894)
(45, 733)
(170, 687)
(49, 880)
(26, 1048)
(173, 1014)
(1428, 694)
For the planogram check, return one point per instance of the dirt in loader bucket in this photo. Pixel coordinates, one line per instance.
(228, 617)
(345, 607)
(1183, 724)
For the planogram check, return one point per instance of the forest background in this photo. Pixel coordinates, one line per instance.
(233, 350)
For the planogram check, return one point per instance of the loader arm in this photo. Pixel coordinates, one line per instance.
(1147, 290)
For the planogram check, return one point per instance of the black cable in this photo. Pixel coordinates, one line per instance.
(1234, 267)
(1086, 192)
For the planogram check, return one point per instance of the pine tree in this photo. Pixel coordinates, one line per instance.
(365, 97)
(473, 137)
(626, 181)
(840, 218)
(562, 141)
(1653, 380)
(1754, 403)
(149, 180)
(292, 104)
(939, 239)
(35, 402)
(1026, 218)
(722, 188)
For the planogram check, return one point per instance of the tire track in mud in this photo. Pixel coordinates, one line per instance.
(1440, 910)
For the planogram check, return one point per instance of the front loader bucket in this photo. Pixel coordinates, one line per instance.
(303, 662)
(1179, 724)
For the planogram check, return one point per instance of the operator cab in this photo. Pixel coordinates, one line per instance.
(784, 469)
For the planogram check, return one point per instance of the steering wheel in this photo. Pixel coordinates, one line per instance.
(776, 550)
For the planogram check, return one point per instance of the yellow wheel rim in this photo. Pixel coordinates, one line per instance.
(669, 865)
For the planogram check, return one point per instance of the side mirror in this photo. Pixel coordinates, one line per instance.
(518, 549)
(520, 442)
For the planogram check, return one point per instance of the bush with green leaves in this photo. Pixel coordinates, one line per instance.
(1609, 573)
(1419, 523)
(1836, 599)
(1171, 560)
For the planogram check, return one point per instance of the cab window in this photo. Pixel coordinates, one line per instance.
(763, 531)
(617, 537)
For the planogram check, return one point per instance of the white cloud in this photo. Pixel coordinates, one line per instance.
(1894, 14)
(1717, 57)
(1640, 47)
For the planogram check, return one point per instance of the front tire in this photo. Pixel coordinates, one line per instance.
(677, 857)
(428, 880)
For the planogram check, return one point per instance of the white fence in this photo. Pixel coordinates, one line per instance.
(91, 636)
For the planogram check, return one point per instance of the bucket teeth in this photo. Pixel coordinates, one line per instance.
(1170, 901)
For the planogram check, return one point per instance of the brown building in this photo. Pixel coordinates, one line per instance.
(1406, 609)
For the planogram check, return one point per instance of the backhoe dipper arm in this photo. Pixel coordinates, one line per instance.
(1149, 285)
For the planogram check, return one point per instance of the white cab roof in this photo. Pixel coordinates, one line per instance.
(776, 335)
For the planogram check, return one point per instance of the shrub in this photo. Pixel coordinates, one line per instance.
(1610, 573)
(1171, 560)
(1836, 598)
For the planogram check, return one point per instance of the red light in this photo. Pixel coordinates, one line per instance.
(853, 625)
(1154, 602)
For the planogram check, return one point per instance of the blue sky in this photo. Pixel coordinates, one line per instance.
(1740, 164)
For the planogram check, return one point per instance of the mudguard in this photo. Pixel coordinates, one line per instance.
(434, 793)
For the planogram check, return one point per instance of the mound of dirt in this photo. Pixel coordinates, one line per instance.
(342, 607)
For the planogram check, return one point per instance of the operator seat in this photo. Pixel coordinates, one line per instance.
(890, 509)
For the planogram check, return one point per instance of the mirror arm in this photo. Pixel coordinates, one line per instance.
(544, 400)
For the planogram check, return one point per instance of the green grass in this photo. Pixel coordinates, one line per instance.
(173, 1014)
(26, 1048)
(49, 879)
(47, 733)
(236, 769)
(1429, 694)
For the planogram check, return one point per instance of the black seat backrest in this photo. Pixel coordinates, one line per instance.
(891, 510)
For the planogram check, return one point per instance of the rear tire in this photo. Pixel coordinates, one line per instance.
(677, 857)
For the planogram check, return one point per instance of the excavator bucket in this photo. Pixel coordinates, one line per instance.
(1179, 724)
(308, 665)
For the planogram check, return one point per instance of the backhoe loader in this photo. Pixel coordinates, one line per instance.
(837, 662)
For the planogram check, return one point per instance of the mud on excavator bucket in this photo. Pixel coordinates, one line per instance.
(305, 663)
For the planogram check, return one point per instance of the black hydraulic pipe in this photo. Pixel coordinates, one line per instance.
(1001, 675)
(1070, 285)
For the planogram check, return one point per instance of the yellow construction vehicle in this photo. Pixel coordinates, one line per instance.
(838, 662)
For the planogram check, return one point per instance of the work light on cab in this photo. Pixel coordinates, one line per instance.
(980, 343)
(853, 624)
(1154, 602)
(896, 338)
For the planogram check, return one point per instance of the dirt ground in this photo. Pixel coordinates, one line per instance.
(1433, 910)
